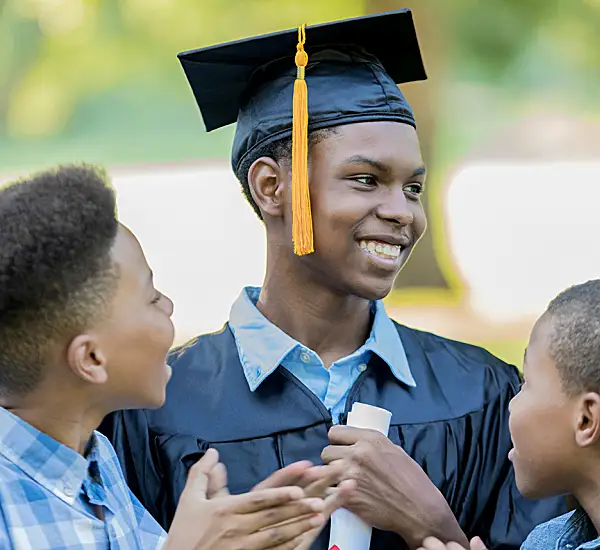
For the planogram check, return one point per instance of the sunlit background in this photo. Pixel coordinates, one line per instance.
(509, 121)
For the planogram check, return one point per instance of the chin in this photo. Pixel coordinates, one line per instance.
(151, 398)
(533, 488)
(531, 492)
(157, 401)
(372, 289)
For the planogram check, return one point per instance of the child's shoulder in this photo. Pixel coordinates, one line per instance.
(547, 534)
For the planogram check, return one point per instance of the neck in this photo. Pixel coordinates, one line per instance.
(588, 495)
(68, 422)
(330, 323)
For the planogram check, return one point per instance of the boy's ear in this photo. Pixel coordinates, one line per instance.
(266, 179)
(87, 360)
(587, 431)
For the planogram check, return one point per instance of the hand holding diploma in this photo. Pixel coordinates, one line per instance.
(393, 493)
(349, 532)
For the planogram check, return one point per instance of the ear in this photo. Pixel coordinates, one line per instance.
(87, 360)
(588, 422)
(267, 180)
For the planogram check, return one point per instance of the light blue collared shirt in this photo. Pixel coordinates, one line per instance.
(262, 347)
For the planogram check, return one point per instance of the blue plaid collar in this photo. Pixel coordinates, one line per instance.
(53, 465)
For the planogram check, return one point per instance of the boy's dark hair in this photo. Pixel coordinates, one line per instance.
(575, 341)
(280, 151)
(56, 274)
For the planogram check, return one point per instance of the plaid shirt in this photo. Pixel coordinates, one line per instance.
(47, 491)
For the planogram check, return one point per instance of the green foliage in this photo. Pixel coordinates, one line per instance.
(99, 79)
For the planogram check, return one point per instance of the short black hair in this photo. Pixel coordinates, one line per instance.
(280, 151)
(56, 273)
(575, 336)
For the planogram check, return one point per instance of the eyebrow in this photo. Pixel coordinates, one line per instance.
(420, 171)
(361, 159)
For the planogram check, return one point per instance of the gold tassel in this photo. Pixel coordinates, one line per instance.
(302, 228)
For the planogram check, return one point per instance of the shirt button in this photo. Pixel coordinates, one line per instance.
(362, 367)
(68, 491)
(304, 357)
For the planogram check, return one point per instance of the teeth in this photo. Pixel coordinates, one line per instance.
(388, 251)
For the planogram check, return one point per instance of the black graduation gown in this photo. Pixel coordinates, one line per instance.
(454, 423)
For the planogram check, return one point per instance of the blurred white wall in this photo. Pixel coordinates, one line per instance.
(200, 236)
(521, 232)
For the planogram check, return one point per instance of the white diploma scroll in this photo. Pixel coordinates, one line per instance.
(348, 532)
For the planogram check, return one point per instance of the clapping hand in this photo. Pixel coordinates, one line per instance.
(432, 543)
(208, 517)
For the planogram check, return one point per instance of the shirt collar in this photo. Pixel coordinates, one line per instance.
(579, 532)
(53, 465)
(262, 346)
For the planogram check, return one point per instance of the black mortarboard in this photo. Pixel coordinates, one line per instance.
(350, 75)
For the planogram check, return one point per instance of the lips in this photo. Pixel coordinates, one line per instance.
(386, 238)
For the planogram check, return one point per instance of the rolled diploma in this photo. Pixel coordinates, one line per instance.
(349, 532)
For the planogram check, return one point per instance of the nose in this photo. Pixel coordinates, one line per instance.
(396, 208)
(168, 305)
(511, 403)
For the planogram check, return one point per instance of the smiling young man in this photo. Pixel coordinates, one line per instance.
(271, 387)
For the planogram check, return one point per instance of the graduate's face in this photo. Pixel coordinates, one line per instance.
(135, 340)
(366, 182)
(542, 421)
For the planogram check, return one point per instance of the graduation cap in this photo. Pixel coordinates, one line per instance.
(292, 82)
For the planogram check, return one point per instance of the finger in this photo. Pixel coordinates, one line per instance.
(286, 477)
(335, 452)
(347, 435)
(305, 541)
(277, 537)
(328, 476)
(198, 475)
(255, 501)
(286, 513)
(339, 498)
(431, 543)
(208, 461)
(312, 474)
(477, 544)
(217, 482)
